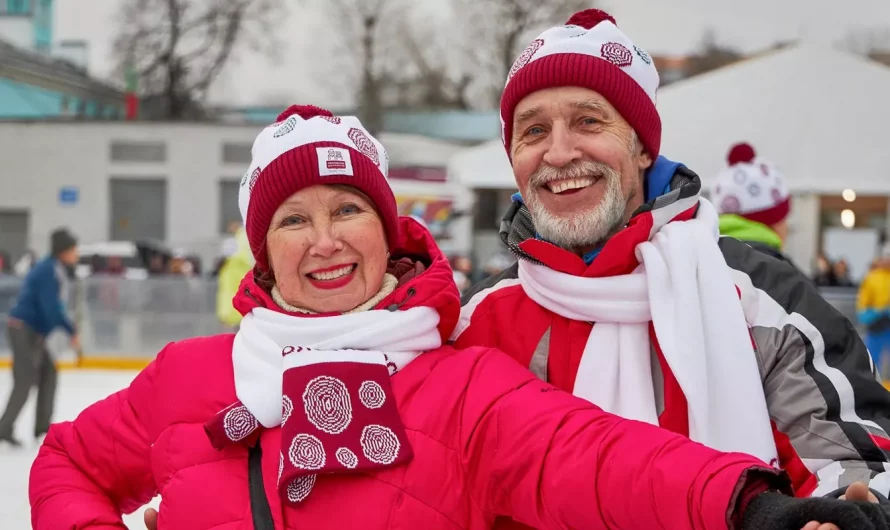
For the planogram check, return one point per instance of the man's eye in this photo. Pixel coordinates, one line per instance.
(590, 121)
(534, 131)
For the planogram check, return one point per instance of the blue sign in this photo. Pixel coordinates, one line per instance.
(68, 195)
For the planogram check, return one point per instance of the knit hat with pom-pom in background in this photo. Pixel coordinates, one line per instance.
(751, 188)
(309, 146)
(589, 51)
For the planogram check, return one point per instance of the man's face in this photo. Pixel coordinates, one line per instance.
(578, 165)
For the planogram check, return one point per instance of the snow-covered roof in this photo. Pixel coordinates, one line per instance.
(822, 116)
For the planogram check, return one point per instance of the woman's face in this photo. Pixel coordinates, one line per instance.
(327, 249)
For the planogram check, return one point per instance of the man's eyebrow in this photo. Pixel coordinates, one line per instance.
(589, 104)
(527, 114)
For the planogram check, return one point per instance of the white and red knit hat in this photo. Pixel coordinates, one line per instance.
(588, 52)
(751, 187)
(308, 146)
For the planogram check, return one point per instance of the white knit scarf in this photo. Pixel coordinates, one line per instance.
(683, 286)
(398, 336)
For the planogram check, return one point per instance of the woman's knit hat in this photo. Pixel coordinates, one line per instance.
(309, 146)
(751, 187)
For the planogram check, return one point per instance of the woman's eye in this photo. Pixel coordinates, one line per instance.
(349, 209)
(292, 220)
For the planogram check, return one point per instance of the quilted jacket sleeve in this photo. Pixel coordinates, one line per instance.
(91, 470)
(550, 460)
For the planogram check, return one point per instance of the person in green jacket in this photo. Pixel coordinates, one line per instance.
(231, 273)
(753, 201)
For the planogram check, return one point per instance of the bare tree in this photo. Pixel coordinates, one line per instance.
(177, 48)
(496, 31)
(711, 55)
(870, 42)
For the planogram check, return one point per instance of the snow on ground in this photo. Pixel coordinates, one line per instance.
(77, 390)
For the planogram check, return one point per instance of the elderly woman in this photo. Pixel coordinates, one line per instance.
(337, 406)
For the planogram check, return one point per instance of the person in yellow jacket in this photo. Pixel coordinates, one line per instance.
(231, 273)
(873, 308)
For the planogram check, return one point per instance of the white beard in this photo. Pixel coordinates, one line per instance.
(585, 228)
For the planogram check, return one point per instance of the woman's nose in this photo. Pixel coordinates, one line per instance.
(326, 242)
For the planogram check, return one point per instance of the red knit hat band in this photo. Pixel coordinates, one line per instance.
(585, 71)
(770, 216)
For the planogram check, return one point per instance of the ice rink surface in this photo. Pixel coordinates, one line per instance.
(77, 390)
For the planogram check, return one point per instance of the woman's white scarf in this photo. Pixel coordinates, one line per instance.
(683, 286)
(392, 337)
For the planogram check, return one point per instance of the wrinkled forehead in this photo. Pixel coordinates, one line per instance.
(551, 103)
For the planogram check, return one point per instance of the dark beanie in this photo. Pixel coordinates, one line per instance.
(60, 241)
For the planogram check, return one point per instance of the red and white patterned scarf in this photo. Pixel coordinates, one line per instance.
(325, 381)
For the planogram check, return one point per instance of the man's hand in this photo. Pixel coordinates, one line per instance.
(151, 519)
(858, 491)
(75, 342)
(819, 526)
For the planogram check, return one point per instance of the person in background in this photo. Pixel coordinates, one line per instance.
(231, 273)
(824, 274)
(626, 295)
(337, 405)
(753, 202)
(873, 307)
(841, 272)
(39, 310)
(463, 270)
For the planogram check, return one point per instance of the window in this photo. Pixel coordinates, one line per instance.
(234, 153)
(124, 151)
(228, 204)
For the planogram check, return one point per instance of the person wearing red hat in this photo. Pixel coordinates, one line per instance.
(753, 201)
(625, 294)
(337, 405)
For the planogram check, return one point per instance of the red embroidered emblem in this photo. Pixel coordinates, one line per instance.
(525, 56)
(335, 160)
(617, 54)
(364, 144)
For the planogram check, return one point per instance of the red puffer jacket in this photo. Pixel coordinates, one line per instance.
(489, 440)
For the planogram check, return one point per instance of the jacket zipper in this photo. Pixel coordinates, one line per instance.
(259, 504)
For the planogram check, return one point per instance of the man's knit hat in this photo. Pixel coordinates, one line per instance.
(751, 187)
(60, 241)
(309, 146)
(588, 52)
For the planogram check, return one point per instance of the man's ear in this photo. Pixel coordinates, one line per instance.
(644, 160)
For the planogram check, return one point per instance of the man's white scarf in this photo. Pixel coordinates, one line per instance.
(683, 286)
(394, 338)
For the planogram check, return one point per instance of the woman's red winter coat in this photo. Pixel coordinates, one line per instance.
(489, 440)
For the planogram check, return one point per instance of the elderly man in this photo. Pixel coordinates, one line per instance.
(625, 294)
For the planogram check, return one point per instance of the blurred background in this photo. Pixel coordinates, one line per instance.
(130, 123)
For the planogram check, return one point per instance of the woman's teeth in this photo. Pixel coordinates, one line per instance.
(331, 275)
(559, 186)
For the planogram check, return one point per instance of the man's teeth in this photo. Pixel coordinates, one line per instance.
(331, 275)
(559, 186)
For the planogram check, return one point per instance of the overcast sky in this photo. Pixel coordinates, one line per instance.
(659, 26)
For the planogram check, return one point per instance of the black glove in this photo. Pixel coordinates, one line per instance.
(775, 511)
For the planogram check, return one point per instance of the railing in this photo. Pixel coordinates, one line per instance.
(123, 318)
(134, 319)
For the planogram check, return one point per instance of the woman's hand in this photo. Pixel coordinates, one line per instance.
(151, 520)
